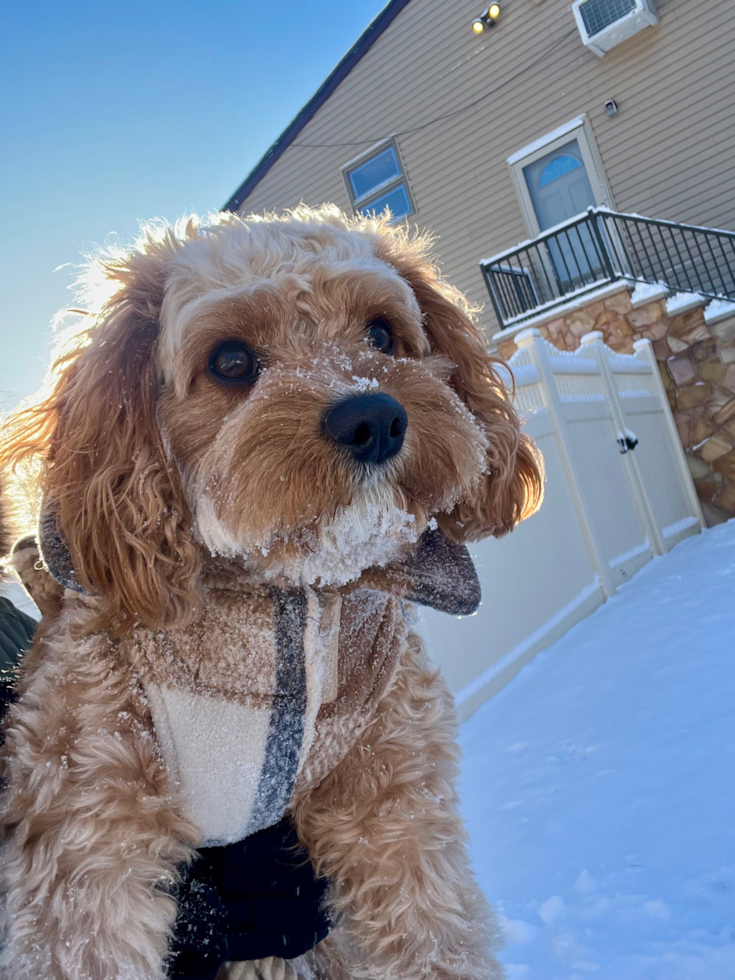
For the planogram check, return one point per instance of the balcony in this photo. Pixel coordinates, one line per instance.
(600, 247)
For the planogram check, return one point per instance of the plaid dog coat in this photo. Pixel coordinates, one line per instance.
(269, 688)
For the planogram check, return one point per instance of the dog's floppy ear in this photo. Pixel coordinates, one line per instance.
(513, 485)
(117, 501)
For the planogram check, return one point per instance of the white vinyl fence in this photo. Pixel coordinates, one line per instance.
(618, 491)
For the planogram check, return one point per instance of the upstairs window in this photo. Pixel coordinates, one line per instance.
(376, 181)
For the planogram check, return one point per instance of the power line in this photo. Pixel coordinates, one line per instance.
(447, 115)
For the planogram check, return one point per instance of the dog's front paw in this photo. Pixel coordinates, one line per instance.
(271, 968)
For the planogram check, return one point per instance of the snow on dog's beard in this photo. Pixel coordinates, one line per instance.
(370, 532)
(266, 484)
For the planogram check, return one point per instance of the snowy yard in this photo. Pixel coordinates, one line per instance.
(598, 786)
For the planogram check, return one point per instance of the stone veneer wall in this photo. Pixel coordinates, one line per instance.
(697, 365)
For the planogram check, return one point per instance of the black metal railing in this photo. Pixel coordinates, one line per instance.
(602, 246)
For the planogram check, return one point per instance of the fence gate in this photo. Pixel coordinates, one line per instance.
(648, 440)
(625, 466)
(608, 504)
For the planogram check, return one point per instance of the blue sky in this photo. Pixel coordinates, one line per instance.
(113, 112)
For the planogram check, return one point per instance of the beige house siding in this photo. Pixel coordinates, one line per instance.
(668, 153)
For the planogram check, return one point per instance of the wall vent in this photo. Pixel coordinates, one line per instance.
(605, 23)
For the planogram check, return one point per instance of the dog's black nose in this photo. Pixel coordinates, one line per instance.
(372, 427)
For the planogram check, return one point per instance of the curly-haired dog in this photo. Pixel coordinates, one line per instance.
(272, 435)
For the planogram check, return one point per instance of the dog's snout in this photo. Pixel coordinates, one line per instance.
(372, 427)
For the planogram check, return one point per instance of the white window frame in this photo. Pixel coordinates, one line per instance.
(579, 129)
(381, 189)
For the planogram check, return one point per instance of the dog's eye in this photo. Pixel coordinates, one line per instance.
(234, 362)
(380, 335)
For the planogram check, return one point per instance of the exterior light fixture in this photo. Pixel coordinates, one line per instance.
(486, 19)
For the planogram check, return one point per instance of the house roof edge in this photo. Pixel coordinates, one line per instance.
(363, 44)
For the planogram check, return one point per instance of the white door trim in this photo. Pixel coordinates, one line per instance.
(579, 129)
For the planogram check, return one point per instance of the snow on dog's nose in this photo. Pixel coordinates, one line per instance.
(371, 427)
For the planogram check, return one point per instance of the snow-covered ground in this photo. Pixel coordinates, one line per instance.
(599, 789)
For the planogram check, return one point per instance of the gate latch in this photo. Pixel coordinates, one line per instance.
(627, 440)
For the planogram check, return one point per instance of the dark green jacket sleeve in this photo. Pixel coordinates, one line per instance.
(16, 633)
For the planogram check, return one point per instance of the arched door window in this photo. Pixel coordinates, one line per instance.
(558, 167)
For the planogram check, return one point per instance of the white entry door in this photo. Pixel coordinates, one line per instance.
(558, 177)
(559, 185)
(559, 188)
